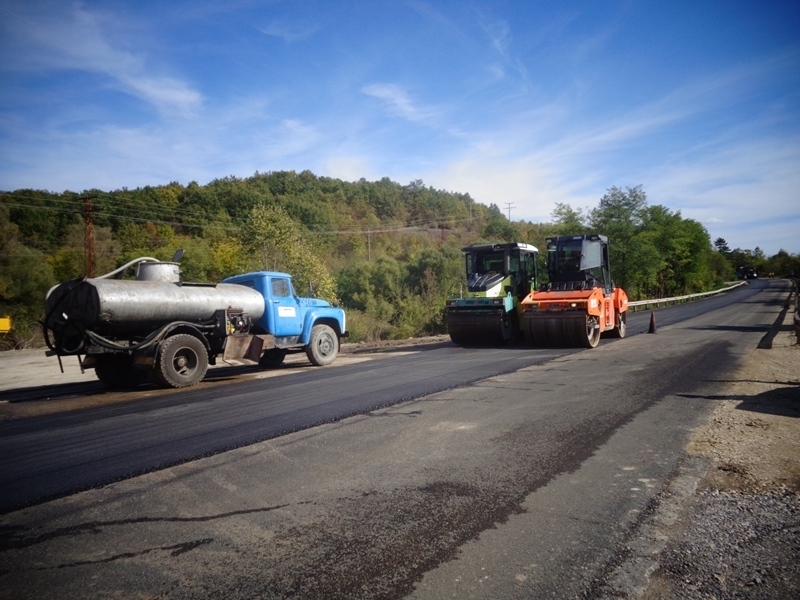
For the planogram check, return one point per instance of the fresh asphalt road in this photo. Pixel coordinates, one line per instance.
(60, 454)
(443, 472)
(47, 457)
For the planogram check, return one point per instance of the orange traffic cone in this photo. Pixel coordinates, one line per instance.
(652, 322)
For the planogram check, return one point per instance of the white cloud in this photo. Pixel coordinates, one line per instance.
(163, 92)
(531, 189)
(398, 101)
(745, 192)
(499, 34)
(74, 38)
(292, 137)
(289, 32)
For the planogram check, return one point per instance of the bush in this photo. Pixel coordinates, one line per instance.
(24, 335)
(366, 328)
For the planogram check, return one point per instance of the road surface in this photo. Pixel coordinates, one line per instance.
(432, 475)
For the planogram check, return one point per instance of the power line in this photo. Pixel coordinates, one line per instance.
(364, 230)
(134, 208)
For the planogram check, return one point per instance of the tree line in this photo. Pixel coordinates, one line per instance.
(389, 253)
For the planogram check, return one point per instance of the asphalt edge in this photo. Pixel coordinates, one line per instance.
(628, 574)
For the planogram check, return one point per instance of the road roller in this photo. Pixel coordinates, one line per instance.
(499, 276)
(580, 301)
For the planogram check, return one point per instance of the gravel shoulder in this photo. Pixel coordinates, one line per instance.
(728, 525)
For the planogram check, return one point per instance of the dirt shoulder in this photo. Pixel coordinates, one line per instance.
(738, 533)
(753, 436)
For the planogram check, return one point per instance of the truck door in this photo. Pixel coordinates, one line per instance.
(286, 314)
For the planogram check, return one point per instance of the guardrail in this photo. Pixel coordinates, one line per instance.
(676, 299)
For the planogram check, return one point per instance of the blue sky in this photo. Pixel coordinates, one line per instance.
(521, 103)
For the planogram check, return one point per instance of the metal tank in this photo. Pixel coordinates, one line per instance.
(121, 308)
(158, 271)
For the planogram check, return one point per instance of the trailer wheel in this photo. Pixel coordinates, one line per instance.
(323, 346)
(117, 371)
(272, 358)
(621, 327)
(182, 361)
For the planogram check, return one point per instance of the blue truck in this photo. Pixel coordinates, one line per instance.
(155, 327)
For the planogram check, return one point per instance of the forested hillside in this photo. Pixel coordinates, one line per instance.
(389, 253)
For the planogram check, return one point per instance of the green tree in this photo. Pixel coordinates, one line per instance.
(783, 264)
(432, 276)
(567, 220)
(144, 239)
(620, 216)
(68, 260)
(273, 235)
(722, 246)
(197, 264)
(497, 226)
(228, 257)
(25, 277)
(720, 269)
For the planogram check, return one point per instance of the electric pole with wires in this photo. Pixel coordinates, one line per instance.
(88, 234)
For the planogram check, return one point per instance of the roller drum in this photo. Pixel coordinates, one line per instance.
(561, 330)
(480, 328)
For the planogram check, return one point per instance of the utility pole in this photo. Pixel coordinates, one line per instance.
(509, 206)
(88, 234)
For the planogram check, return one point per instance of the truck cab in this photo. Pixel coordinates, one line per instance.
(293, 322)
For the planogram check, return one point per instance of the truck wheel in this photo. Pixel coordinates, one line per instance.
(117, 371)
(182, 360)
(323, 346)
(272, 359)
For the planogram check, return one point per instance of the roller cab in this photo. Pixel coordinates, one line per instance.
(580, 301)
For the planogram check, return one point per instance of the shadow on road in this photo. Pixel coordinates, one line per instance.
(782, 401)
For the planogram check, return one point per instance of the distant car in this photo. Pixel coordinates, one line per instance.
(748, 273)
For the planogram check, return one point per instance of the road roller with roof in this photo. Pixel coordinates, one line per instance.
(499, 276)
(580, 300)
